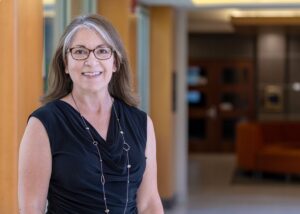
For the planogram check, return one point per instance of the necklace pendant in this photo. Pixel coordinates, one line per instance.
(103, 181)
(126, 147)
(106, 211)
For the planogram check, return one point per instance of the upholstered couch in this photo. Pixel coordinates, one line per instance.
(269, 147)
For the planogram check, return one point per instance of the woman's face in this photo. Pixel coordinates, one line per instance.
(91, 74)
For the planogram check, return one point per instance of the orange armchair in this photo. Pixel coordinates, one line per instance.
(269, 146)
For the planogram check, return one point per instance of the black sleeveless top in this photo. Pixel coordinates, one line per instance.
(75, 186)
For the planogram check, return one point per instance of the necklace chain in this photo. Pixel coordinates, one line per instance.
(126, 148)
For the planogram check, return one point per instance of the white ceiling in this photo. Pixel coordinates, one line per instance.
(213, 4)
(216, 18)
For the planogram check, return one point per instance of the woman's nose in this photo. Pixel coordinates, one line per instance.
(91, 60)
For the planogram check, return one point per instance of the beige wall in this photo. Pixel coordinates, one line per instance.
(119, 14)
(161, 66)
(21, 42)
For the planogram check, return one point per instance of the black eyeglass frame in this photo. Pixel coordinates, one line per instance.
(91, 50)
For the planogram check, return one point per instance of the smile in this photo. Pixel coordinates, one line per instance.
(92, 74)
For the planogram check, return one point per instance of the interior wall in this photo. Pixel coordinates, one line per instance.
(293, 77)
(277, 58)
(271, 68)
(118, 13)
(161, 68)
(8, 141)
(271, 51)
(221, 46)
(21, 30)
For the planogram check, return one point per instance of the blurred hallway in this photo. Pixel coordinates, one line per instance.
(211, 191)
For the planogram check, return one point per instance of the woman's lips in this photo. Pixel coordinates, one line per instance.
(92, 73)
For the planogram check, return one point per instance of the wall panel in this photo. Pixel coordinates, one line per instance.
(161, 66)
(7, 108)
(21, 42)
(118, 13)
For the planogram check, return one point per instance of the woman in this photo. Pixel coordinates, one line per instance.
(88, 149)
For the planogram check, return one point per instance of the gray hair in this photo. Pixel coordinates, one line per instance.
(90, 25)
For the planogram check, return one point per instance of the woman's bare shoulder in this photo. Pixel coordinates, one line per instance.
(35, 132)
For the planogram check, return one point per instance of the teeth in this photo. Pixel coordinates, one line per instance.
(91, 74)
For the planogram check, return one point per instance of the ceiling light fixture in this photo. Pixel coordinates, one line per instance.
(222, 2)
(265, 13)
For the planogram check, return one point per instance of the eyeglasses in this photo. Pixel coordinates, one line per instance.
(82, 53)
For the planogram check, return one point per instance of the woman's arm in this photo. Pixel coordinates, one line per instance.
(35, 165)
(148, 200)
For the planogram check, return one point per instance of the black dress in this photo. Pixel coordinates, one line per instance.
(75, 185)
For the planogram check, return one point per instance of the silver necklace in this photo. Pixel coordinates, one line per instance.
(126, 148)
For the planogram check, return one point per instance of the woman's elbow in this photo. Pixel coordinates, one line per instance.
(152, 207)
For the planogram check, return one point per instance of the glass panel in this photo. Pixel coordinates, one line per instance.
(197, 76)
(49, 14)
(197, 128)
(231, 75)
(143, 57)
(231, 100)
(228, 129)
(196, 98)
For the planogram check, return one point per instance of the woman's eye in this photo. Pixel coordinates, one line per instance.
(79, 51)
(103, 51)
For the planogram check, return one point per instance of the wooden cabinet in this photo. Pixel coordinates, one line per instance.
(220, 94)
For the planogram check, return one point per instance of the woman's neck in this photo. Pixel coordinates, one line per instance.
(92, 102)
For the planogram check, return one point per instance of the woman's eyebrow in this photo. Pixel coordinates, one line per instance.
(104, 45)
(78, 45)
(98, 46)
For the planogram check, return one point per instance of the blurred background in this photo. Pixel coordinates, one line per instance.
(219, 78)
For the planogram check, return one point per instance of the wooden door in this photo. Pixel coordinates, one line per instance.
(220, 94)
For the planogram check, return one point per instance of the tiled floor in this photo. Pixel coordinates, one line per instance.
(211, 191)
